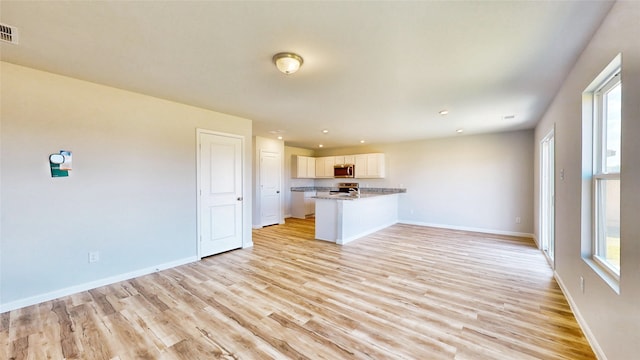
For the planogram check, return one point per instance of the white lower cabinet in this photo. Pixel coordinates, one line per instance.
(302, 204)
(342, 221)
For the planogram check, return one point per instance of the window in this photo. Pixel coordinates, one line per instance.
(605, 95)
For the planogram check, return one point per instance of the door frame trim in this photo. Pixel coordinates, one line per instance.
(544, 217)
(199, 132)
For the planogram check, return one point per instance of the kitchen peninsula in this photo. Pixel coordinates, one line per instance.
(344, 217)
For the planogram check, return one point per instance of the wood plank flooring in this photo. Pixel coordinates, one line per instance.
(406, 292)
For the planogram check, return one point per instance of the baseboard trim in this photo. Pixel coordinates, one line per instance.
(33, 300)
(535, 239)
(467, 228)
(581, 321)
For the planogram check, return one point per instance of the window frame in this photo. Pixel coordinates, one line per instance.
(599, 236)
(600, 175)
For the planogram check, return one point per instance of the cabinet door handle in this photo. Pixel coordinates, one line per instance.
(278, 192)
(239, 198)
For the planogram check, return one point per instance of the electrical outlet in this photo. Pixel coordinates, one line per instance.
(94, 256)
(582, 284)
(518, 220)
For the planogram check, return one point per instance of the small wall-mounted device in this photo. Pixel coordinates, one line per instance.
(60, 163)
(56, 159)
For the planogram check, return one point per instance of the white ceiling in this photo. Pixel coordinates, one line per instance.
(378, 71)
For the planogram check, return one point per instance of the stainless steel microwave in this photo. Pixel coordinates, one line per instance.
(344, 171)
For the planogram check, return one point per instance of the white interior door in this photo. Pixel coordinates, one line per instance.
(220, 200)
(270, 204)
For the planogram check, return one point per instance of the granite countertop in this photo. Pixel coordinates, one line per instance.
(350, 197)
(312, 188)
(363, 190)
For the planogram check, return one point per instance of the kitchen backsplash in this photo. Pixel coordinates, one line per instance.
(364, 183)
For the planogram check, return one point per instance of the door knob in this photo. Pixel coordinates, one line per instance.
(239, 198)
(278, 192)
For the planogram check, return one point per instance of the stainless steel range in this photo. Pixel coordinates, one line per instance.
(348, 188)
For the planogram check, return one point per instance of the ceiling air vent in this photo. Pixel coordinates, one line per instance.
(8, 34)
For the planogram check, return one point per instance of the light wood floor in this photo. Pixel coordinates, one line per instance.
(406, 292)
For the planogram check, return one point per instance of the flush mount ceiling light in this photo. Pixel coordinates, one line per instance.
(443, 112)
(325, 131)
(287, 62)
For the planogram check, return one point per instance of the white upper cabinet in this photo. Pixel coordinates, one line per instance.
(311, 167)
(361, 166)
(344, 159)
(328, 166)
(370, 166)
(349, 159)
(324, 167)
(303, 167)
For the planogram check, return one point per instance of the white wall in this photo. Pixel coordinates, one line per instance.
(273, 146)
(131, 194)
(476, 182)
(611, 320)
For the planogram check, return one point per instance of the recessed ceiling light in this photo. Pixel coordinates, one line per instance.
(325, 131)
(320, 145)
(279, 137)
(276, 131)
(460, 131)
(443, 112)
(361, 141)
